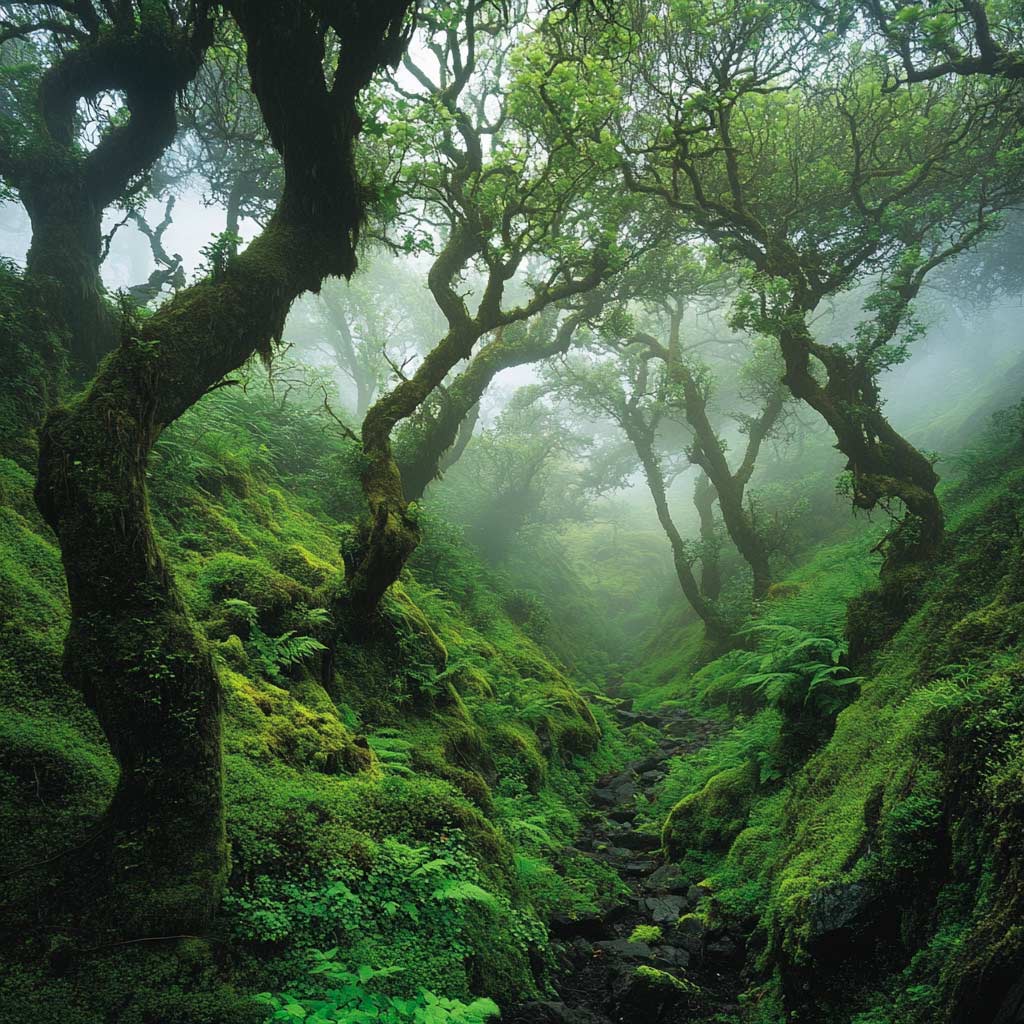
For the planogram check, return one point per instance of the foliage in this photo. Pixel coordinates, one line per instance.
(274, 653)
(350, 998)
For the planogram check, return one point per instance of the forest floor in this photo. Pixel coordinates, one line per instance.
(650, 958)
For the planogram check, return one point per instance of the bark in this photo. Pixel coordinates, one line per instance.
(883, 464)
(643, 442)
(392, 534)
(710, 568)
(707, 453)
(466, 429)
(361, 374)
(132, 647)
(66, 190)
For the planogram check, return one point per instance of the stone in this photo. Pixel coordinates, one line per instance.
(690, 934)
(549, 1013)
(622, 814)
(637, 868)
(639, 841)
(668, 878)
(671, 957)
(647, 995)
(678, 728)
(652, 777)
(587, 926)
(722, 950)
(696, 893)
(664, 909)
(623, 949)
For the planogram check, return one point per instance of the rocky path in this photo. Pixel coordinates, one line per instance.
(685, 973)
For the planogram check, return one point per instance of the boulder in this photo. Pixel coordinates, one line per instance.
(663, 909)
(587, 926)
(668, 879)
(647, 994)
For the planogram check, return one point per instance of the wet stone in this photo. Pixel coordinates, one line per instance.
(667, 879)
(664, 909)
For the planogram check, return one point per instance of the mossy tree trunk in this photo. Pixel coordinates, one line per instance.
(683, 555)
(708, 453)
(704, 497)
(392, 533)
(132, 647)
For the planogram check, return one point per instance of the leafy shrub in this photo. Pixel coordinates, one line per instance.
(348, 997)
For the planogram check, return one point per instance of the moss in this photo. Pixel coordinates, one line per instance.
(228, 575)
(311, 571)
(712, 818)
(268, 724)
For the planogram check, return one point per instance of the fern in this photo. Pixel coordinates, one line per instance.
(275, 652)
(791, 665)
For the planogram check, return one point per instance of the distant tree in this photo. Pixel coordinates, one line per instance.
(88, 104)
(626, 391)
(790, 153)
(935, 38)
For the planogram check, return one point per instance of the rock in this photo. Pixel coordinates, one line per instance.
(604, 797)
(623, 949)
(664, 909)
(679, 728)
(622, 814)
(646, 765)
(637, 868)
(549, 1013)
(671, 957)
(652, 777)
(639, 841)
(722, 950)
(668, 878)
(647, 995)
(609, 854)
(696, 893)
(588, 926)
(690, 934)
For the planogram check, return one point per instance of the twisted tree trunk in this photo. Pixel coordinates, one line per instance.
(682, 555)
(704, 497)
(132, 647)
(440, 431)
(883, 464)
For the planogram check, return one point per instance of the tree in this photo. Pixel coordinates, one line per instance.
(437, 430)
(133, 648)
(372, 327)
(89, 95)
(804, 169)
(949, 37)
(499, 188)
(626, 391)
(667, 284)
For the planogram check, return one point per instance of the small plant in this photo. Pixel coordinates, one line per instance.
(792, 665)
(350, 996)
(647, 933)
(391, 750)
(273, 653)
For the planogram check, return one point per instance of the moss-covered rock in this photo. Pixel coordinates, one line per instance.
(712, 818)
